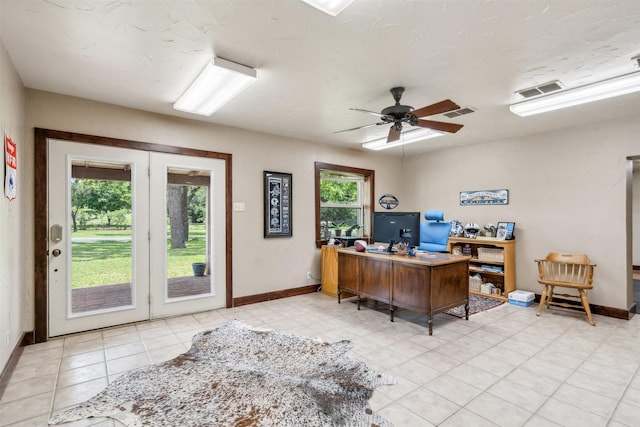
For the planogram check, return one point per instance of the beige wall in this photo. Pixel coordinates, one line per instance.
(567, 192)
(260, 265)
(14, 285)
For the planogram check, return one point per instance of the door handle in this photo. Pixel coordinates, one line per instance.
(56, 252)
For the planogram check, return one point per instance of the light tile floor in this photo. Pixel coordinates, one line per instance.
(503, 367)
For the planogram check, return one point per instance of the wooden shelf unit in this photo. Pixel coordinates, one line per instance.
(506, 280)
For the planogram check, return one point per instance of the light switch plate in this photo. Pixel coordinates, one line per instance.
(238, 207)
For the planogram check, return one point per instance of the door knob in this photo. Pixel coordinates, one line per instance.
(56, 252)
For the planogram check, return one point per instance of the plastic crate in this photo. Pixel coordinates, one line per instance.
(491, 254)
(520, 303)
(521, 298)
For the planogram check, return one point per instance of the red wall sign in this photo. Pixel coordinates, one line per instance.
(11, 170)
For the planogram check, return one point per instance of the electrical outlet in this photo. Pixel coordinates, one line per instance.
(309, 275)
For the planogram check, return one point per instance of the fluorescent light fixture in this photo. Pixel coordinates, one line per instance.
(604, 89)
(406, 138)
(217, 84)
(330, 7)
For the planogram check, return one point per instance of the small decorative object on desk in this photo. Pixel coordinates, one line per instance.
(457, 229)
(412, 251)
(466, 250)
(471, 230)
(490, 230)
(402, 248)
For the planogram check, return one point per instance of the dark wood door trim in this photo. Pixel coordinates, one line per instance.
(40, 209)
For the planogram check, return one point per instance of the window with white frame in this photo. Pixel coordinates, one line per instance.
(343, 201)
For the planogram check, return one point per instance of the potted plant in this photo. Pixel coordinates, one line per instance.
(199, 268)
(490, 230)
(349, 231)
(337, 231)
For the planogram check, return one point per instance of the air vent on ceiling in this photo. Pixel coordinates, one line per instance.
(459, 112)
(541, 89)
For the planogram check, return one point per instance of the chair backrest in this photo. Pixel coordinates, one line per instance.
(434, 232)
(566, 269)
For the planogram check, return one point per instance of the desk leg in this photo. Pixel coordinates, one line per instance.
(339, 295)
(392, 311)
(466, 311)
(430, 322)
(359, 299)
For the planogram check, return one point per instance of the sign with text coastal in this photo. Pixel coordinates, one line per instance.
(484, 197)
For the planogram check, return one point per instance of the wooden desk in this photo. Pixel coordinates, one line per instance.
(428, 283)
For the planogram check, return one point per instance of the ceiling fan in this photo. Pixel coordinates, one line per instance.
(397, 114)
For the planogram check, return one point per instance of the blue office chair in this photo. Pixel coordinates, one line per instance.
(434, 232)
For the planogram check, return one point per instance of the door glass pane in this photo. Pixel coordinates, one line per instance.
(101, 243)
(188, 257)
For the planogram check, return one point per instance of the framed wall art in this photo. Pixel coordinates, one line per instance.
(484, 197)
(277, 204)
(506, 230)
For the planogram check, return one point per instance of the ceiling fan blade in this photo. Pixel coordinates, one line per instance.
(369, 112)
(361, 127)
(437, 108)
(394, 134)
(441, 126)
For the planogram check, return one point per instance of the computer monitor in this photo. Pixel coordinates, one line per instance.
(397, 226)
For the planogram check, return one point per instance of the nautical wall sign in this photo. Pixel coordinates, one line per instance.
(388, 201)
(484, 197)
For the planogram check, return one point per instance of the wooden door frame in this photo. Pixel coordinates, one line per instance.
(40, 210)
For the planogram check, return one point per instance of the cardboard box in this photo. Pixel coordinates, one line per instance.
(521, 298)
(486, 288)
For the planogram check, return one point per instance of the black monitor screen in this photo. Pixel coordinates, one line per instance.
(388, 225)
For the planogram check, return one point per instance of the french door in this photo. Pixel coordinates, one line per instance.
(133, 235)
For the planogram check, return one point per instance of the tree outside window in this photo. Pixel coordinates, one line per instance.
(341, 201)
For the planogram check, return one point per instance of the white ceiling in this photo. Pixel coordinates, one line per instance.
(312, 68)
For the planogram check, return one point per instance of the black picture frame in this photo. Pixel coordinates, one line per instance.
(505, 230)
(278, 204)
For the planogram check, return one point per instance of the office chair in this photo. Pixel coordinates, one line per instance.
(434, 232)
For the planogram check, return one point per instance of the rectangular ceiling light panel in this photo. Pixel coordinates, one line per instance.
(617, 86)
(406, 138)
(330, 7)
(218, 83)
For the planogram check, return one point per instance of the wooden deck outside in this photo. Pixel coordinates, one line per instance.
(111, 296)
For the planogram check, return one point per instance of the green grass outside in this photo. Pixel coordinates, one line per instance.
(109, 262)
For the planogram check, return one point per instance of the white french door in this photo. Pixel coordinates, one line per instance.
(174, 290)
(116, 254)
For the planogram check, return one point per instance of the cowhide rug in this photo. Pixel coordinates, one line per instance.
(237, 376)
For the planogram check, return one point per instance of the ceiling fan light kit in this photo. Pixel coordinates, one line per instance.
(330, 7)
(610, 88)
(407, 138)
(218, 83)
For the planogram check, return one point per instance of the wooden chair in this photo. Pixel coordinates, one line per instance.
(565, 270)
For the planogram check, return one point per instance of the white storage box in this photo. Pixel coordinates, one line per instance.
(522, 298)
(487, 288)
